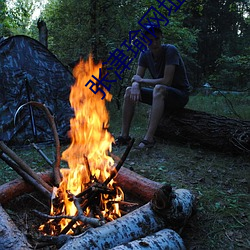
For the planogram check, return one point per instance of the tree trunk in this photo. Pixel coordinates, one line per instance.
(43, 32)
(10, 237)
(212, 131)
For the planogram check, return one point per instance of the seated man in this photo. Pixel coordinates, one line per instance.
(169, 86)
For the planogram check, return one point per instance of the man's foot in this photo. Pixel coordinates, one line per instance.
(146, 144)
(122, 141)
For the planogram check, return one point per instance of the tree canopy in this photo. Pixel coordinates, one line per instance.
(212, 35)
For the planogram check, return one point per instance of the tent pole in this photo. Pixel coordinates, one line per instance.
(33, 125)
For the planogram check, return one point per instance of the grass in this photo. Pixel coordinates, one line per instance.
(219, 180)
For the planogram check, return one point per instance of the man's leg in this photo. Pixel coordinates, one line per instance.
(127, 113)
(157, 111)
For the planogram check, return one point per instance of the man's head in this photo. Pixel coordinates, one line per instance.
(152, 28)
(156, 38)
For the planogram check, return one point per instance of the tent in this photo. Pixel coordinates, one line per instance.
(30, 72)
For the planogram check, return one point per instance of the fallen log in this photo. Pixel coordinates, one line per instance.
(150, 218)
(136, 185)
(163, 239)
(10, 237)
(212, 131)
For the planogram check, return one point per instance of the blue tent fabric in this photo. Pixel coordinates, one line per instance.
(29, 71)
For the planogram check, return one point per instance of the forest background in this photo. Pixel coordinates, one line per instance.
(213, 36)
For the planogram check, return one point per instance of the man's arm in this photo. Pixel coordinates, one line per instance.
(166, 80)
(135, 93)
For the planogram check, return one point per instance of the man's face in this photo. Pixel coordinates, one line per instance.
(156, 41)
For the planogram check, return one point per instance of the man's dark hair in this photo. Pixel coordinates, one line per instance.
(152, 27)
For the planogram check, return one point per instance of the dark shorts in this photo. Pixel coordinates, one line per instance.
(175, 99)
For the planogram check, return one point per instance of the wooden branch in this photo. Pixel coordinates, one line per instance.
(26, 176)
(10, 237)
(120, 163)
(23, 165)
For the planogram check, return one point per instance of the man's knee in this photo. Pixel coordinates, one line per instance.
(127, 92)
(159, 90)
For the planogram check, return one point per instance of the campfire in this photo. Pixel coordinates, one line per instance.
(87, 198)
(87, 188)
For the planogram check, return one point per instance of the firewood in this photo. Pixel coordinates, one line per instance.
(26, 176)
(136, 185)
(163, 239)
(18, 187)
(143, 221)
(132, 183)
(10, 237)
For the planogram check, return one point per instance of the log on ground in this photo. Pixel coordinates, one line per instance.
(163, 239)
(212, 131)
(18, 187)
(10, 237)
(131, 182)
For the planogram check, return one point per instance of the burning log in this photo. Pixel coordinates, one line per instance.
(163, 239)
(165, 210)
(216, 132)
(10, 237)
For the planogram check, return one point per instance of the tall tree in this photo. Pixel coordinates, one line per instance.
(222, 30)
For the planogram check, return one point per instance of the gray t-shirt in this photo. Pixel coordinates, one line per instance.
(171, 56)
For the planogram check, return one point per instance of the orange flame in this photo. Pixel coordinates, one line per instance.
(90, 139)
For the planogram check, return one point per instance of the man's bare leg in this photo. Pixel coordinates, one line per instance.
(156, 112)
(127, 113)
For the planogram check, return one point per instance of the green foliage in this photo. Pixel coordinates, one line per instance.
(233, 72)
(212, 36)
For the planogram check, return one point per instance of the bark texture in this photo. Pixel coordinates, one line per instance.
(212, 131)
(15, 188)
(167, 209)
(162, 240)
(10, 237)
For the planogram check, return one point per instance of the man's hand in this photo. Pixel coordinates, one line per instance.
(136, 78)
(135, 93)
